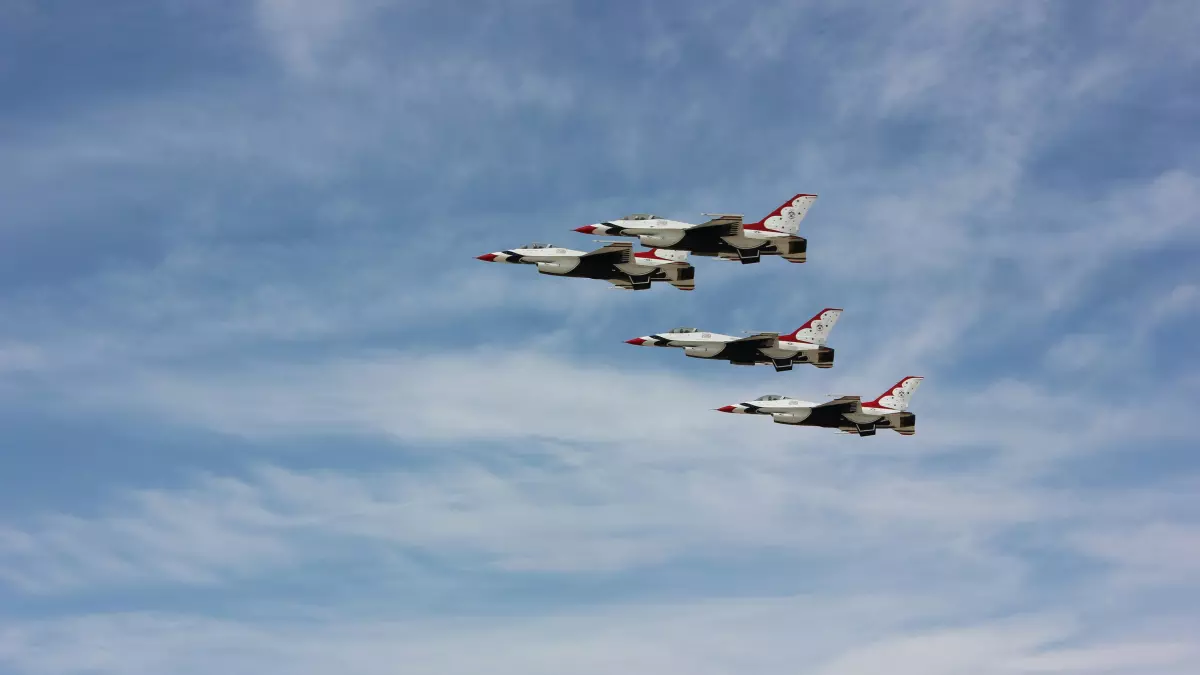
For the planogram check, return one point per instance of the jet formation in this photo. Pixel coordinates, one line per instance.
(727, 237)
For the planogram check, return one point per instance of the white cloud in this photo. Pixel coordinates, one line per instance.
(1181, 301)
(498, 393)
(1154, 553)
(619, 484)
(937, 209)
(1138, 218)
(303, 32)
(1152, 657)
(598, 486)
(15, 357)
(1082, 352)
(579, 510)
(952, 651)
(802, 634)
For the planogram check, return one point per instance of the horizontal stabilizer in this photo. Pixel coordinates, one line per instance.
(682, 277)
(748, 255)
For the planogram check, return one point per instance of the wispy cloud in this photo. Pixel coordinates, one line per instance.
(576, 510)
(795, 634)
(281, 251)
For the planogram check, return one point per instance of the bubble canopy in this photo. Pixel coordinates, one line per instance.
(771, 397)
(641, 216)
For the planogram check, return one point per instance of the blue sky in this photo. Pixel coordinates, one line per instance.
(262, 411)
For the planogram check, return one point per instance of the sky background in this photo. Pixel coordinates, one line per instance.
(261, 410)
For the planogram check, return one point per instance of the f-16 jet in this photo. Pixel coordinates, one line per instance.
(847, 414)
(724, 236)
(806, 344)
(615, 263)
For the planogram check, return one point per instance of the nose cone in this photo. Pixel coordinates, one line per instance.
(586, 229)
(486, 257)
(636, 341)
(726, 408)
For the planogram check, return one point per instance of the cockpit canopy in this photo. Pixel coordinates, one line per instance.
(684, 329)
(537, 245)
(771, 397)
(641, 216)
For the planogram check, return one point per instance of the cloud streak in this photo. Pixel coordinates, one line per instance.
(278, 256)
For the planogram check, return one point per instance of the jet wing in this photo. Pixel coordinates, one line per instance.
(721, 226)
(747, 349)
(615, 253)
(842, 405)
(757, 340)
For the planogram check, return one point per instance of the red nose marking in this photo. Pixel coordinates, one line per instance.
(726, 408)
(635, 341)
(586, 229)
(486, 257)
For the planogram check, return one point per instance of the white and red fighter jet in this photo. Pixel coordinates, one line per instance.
(847, 414)
(615, 263)
(725, 236)
(806, 344)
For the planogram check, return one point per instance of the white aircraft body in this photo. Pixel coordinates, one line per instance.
(847, 414)
(724, 236)
(615, 263)
(806, 344)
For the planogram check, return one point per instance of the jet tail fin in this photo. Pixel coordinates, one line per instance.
(899, 395)
(787, 217)
(817, 329)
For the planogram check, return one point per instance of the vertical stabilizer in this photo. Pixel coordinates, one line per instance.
(785, 219)
(817, 329)
(899, 396)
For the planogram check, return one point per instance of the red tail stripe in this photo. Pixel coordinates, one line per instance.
(875, 401)
(758, 225)
(653, 254)
(809, 323)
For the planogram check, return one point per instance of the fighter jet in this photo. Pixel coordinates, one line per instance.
(847, 414)
(615, 263)
(724, 236)
(806, 344)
